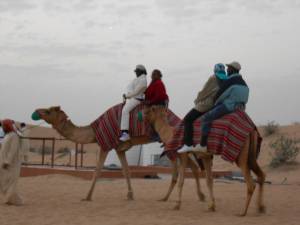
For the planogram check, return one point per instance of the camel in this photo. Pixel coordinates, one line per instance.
(246, 161)
(84, 135)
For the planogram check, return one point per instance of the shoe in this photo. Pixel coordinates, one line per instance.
(185, 148)
(124, 137)
(199, 148)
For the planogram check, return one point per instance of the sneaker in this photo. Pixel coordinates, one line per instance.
(199, 148)
(125, 137)
(185, 148)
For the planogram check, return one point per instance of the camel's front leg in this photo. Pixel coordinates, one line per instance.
(195, 170)
(173, 181)
(126, 173)
(100, 163)
(183, 162)
(209, 181)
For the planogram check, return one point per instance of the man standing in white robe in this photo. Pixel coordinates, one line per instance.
(11, 156)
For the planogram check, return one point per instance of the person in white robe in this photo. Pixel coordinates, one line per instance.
(11, 156)
(134, 96)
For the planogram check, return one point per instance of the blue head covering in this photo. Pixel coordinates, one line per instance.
(219, 71)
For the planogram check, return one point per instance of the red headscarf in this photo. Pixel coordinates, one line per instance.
(8, 125)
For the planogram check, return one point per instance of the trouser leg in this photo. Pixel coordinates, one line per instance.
(129, 105)
(207, 119)
(192, 115)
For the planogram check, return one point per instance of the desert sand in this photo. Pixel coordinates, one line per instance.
(55, 199)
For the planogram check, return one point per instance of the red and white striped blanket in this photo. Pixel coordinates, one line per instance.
(226, 138)
(107, 126)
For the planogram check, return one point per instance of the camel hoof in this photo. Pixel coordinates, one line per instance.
(261, 209)
(130, 196)
(241, 214)
(163, 200)
(177, 207)
(201, 197)
(211, 208)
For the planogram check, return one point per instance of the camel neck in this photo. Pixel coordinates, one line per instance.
(82, 135)
(164, 130)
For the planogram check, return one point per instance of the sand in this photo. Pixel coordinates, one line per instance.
(55, 199)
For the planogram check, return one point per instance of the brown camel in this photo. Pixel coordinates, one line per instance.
(246, 161)
(84, 135)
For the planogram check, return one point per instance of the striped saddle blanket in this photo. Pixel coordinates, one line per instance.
(226, 138)
(107, 126)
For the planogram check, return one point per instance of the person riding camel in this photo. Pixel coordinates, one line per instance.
(203, 103)
(232, 95)
(156, 93)
(133, 97)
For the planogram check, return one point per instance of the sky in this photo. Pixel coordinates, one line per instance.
(80, 54)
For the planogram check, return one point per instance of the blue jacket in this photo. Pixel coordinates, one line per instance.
(235, 95)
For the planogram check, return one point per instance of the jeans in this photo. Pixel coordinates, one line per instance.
(188, 126)
(207, 119)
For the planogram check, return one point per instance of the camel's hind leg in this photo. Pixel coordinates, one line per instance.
(183, 161)
(100, 163)
(207, 161)
(173, 181)
(258, 172)
(195, 171)
(243, 164)
(126, 173)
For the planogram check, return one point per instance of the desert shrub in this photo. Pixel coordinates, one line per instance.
(270, 128)
(284, 150)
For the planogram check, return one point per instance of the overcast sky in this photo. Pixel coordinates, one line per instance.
(80, 54)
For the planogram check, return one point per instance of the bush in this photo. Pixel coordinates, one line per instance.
(285, 150)
(271, 128)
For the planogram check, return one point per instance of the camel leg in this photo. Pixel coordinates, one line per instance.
(173, 181)
(195, 171)
(243, 164)
(209, 182)
(183, 162)
(100, 163)
(126, 173)
(258, 172)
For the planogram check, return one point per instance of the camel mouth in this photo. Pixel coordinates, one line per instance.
(35, 116)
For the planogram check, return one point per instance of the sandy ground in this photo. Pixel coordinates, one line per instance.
(55, 199)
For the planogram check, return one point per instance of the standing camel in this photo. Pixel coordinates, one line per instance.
(86, 134)
(246, 160)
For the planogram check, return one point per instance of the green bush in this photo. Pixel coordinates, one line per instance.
(285, 150)
(271, 128)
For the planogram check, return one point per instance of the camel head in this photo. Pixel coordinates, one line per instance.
(53, 115)
(154, 113)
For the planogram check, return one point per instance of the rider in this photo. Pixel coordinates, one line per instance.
(133, 97)
(233, 94)
(156, 93)
(203, 103)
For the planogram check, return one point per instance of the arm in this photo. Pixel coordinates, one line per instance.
(206, 88)
(139, 89)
